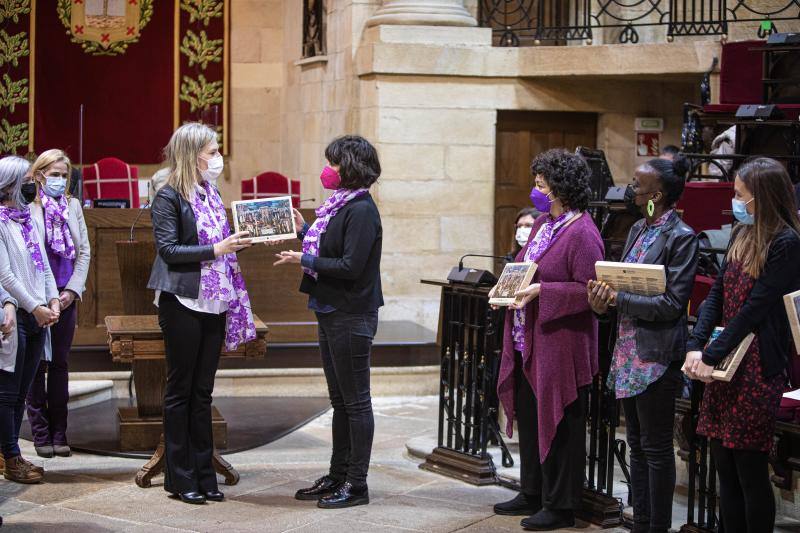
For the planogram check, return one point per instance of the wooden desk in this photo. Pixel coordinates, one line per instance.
(273, 290)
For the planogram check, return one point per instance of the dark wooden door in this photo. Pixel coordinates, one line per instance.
(521, 135)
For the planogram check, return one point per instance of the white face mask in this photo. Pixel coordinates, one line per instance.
(54, 186)
(523, 233)
(215, 166)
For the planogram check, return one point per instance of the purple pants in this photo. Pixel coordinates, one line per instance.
(47, 405)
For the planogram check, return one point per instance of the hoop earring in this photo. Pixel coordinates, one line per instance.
(651, 208)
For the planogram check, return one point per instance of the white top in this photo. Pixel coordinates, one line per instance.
(200, 304)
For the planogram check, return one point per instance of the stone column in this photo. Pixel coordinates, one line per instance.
(423, 12)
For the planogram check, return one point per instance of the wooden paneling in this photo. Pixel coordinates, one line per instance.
(273, 290)
(521, 135)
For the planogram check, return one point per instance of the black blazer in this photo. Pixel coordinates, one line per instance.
(661, 324)
(763, 313)
(176, 268)
(349, 261)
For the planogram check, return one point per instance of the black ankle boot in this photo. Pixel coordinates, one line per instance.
(520, 505)
(549, 520)
(324, 486)
(345, 496)
(190, 497)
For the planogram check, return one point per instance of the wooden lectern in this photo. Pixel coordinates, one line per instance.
(136, 338)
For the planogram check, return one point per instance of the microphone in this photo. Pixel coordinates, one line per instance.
(139, 214)
(472, 276)
(461, 261)
(307, 200)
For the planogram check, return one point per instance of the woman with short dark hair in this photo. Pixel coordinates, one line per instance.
(550, 346)
(651, 336)
(341, 263)
(738, 417)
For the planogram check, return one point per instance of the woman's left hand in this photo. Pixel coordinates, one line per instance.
(526, 295)
(702, 371)
(288, 257)
(66, 298)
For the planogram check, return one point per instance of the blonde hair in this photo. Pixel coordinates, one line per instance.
(181, 155)
(47, 159)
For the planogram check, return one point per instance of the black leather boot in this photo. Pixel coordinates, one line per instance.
(324, 486)
(549, 520)
(345, 496)
(194, 498)
(520, 505)
(214, 496)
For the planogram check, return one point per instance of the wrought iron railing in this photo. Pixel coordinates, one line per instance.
(313, 28)
(525, 22)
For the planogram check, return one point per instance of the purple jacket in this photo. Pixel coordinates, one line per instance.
(561, 330)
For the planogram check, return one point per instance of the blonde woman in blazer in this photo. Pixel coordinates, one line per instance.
(58, 217)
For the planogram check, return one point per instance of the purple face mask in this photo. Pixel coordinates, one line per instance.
(541, 201)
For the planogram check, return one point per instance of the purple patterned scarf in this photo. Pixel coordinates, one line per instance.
(221, 279)
(29, 234)
(56, 229)
(325, 213)
(536, 248)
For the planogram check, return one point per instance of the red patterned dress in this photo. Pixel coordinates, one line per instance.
(741, 413)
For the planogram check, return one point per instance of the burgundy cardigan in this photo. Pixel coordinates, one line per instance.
(560, 329)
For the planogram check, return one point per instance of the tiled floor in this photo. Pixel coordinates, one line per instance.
(87, 494)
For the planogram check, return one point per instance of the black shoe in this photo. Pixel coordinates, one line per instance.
(520, 505)
(549, 520)
(214, 496)
(194, 498)
(324, 486)
(345, 496)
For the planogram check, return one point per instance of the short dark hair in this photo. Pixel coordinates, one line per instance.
(527, 211)
(671, 149)
(671, 175)
(567, 174)
(357, 159)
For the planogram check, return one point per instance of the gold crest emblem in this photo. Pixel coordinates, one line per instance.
(105, 27)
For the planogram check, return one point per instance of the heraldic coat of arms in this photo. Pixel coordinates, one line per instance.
(105, 27)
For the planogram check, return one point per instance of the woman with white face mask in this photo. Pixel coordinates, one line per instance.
(59, 219)
(202, 303)
(522, 231)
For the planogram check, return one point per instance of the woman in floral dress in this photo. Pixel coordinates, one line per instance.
(739, 416)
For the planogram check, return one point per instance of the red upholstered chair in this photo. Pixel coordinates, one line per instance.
(700, 289)
(703, 202)
(269, 185)
(111, 178)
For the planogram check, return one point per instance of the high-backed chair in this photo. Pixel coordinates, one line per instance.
(703, 203)
(270, 185)
(111, 178)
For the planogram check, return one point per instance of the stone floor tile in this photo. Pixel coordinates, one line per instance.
(419, 514)
(58, 520)
(57, 487)
(456, 491)
(331, 525)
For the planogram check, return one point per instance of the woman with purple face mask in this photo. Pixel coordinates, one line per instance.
(340, 259)
(550, 346)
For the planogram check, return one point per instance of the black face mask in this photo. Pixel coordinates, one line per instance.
(630, 202)
(28, 191)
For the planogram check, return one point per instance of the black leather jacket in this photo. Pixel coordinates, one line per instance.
(661, 321)
(176, 268)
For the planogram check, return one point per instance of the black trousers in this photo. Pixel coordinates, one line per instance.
(649, 419)
(345, 342)
(559, 480)
(193, 342)
(747, 504)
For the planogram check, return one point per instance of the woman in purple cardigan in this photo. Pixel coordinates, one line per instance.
(550, 346)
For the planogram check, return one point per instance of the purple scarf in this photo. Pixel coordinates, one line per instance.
(536, 248)
(56, 229)
(325, 213)
(221, 279)
(29, 235)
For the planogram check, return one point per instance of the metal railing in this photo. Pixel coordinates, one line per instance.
(526, 22)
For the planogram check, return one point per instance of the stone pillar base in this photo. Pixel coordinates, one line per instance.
(423, 13)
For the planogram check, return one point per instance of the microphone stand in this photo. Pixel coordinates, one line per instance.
(139, 214)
